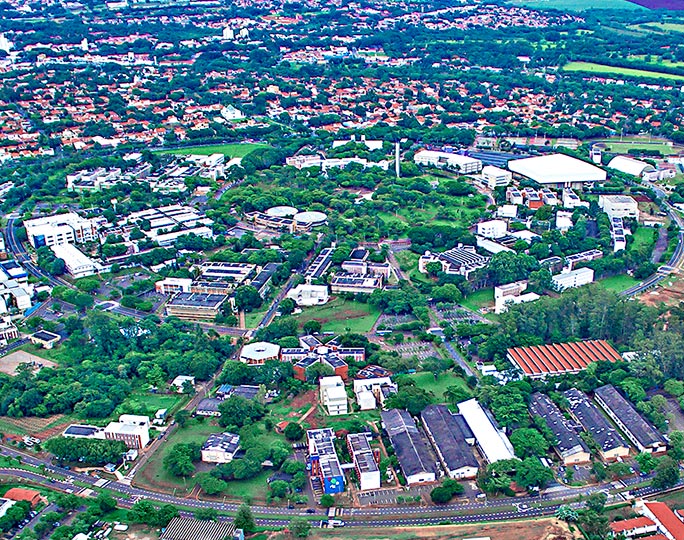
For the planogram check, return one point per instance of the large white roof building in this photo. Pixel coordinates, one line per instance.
(492, 442)
(557, 170)
(630, 165)
(260, 352)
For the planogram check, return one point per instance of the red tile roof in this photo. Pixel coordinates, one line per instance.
(561, 357)
(667, 519)
(23, 494)
(629, 524)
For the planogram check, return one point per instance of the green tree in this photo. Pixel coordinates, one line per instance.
(311, 327)
(293, 431)
(247, 298)
(179, 460)
(244, 519)
(667, 473)
(105, 502)
(287, 306)
(299, 527)
(529, 442)
(327, 501)
(647, 463)
(279, 489)
(238, 411)
(206, 514)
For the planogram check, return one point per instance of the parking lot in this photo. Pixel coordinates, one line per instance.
(418, 349)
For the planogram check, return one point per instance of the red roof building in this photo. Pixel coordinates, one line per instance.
(23, 494)
(667, 521)
(634, 527)
(560, 358)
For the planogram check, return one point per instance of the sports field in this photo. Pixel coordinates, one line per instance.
(618, 283)
(577, 5)
(230, 150)
(601, 69)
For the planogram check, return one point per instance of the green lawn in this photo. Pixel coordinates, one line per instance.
(408, 260)
(661, 27)
(427, 381)
(602, 69)
(147, 403)
(230, 150)
(618, 283)
(253, 318)
(576, 5)
(644, 237)
(479, 299)
(624, 146)
(342, 316)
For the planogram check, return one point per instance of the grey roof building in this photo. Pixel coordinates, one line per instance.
(640, 432)
(569, 445)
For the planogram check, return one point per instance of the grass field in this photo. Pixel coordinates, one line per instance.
(147, 403)
(644, 237)
(427, 381)
(576, 5)
(660, 27)
(230, 150)
(601, 69)
(624, 146)
(479, 299)
(342, 316)
(618, 283)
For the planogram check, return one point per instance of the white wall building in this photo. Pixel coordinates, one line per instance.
(370, 392)
(309, 295)
(58, 229)
(78, 264)
(491, 441)
(131, 429)
(333, 395)
(220, 448)
(571, 200)
(179, 382)
(621, 206)
(573, 278)
(256, 354)
(494, 177)
(563, 221)
(463, 164)
(494, 228)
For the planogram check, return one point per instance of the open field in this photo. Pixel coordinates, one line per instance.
(230, 150)
(576, 5)
(147, 403)
(341, 315)
(479, 299)
(644, 237)
(618, 283)
(625, 145)
(438, 386)
(541, 529)
(9, 363)
(601, 69)
(659, 27)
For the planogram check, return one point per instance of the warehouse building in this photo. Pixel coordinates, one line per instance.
(491, 441)
(569, 445)
(631, 166)
(450, 442)
(325, 465)
(365, 461)
(458, 162)
(412, 450)
(541, 361)
(228, 272)
(610, 443)
(640, 432)
(557, 170)
(77, 263)
(193, 529)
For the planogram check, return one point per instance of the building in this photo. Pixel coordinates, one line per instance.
(77, 263)
(494, 228)
(320, 264)
(571, 200)
(69, 228)
(564, 221)
(412, 450)
(372, 391)
(23, 494)
(557, 170)
(532, 198)
(307, 221)
(228, 272)
(333, 395)
(450, 441)
(461, 260)
(629, 528)
(355, 283)
(631, 166)
(610, 443)
(573, 278)
(193, 529)
(195, 306)
(167, 223)
(133, 430)
(514, 196)
(365, 461)
(209, 407)
(309, 295)
(312, 351)
(83, 431)
(325, 465)
(457, 162)
(220, 448)
(491, 441)
(173, 285)
(641, 433)
(178, 384)
(256, 354)
(47, 340)
(617, 234)
(584, 256)
(5, 505)
(364, 268)
(276, 223)
(511, 293)
(494, 177)
(262, 281)
(570, 447)
(621, 206)
(548, 197)
(669, 523)
(541, 361)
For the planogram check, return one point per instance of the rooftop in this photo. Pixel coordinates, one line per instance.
(410, 447)
(448, 437)
(557, 169)
(561, 357)
(494, 444)
(568, 441)
(193, 529)
(605, 435)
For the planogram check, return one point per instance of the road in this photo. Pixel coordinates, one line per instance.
(458, 359)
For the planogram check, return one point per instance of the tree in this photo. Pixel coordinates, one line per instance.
(299, 527)
(647, 463)
(447, 293)
(312, 327)
(596, 502)
(529, 442)
(179, 460)
(456, 394)
(279, 489)
(440, 495)
(436, 365)
(293, 431)
(667, 473)
(247, 298)
(206, 514)
(676, 450)
(531, 473)
(182, 417)
(68, 502)
(287, 306)
(244, 519)
(327, 501)
(411, 398)
(106, 503)
(238, 411)
(566, 513)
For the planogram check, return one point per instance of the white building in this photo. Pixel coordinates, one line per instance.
(509, 211)
(631, 166)
(491, 441)
(256, 354)
(494, 177)
(309, 295)
(77, 263)
(172, 285)
(131, 429)
(511, 293)
(5, 504)
(557, 170)
(371, 145)
(231, 113)
(58, 229)
(563, 221)
(514, 196)
(333, 395)
(370, 392)
(220, 448)
(494, 228)
(462, 164)
(620, 206)
(461, 260)
(179, 382)
(571, 200)
(573, 278)
(364, 461)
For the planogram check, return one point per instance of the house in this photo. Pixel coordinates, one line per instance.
(325, 465)
(461, 260)
(569, 445)
(365, 461)
(449, 438)
(309, 295)
(45, 339)
(256, 354)
(539, 361)
(23, 494)
(369, 392)
(193, 529)
(333, 395)
(491, 441)
(179, 382)
(641, 433)
(610, 443)
(410, 446)
(573, 278)
(220, 448)
(629, 528)
(208, 407)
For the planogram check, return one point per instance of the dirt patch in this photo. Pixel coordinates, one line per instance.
(9, 363)
(37, 427)
(669, 292)
(302, 400)
(543, 529)
(135, 532)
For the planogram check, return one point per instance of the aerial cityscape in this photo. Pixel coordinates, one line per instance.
(400, 269)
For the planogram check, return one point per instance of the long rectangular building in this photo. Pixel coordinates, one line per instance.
(324, 461)
(560, 358)
(411, 448)
(640, 432)
(569, 445)
(450, 442)
(364, 461)
(610, 443)
(491, 441)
